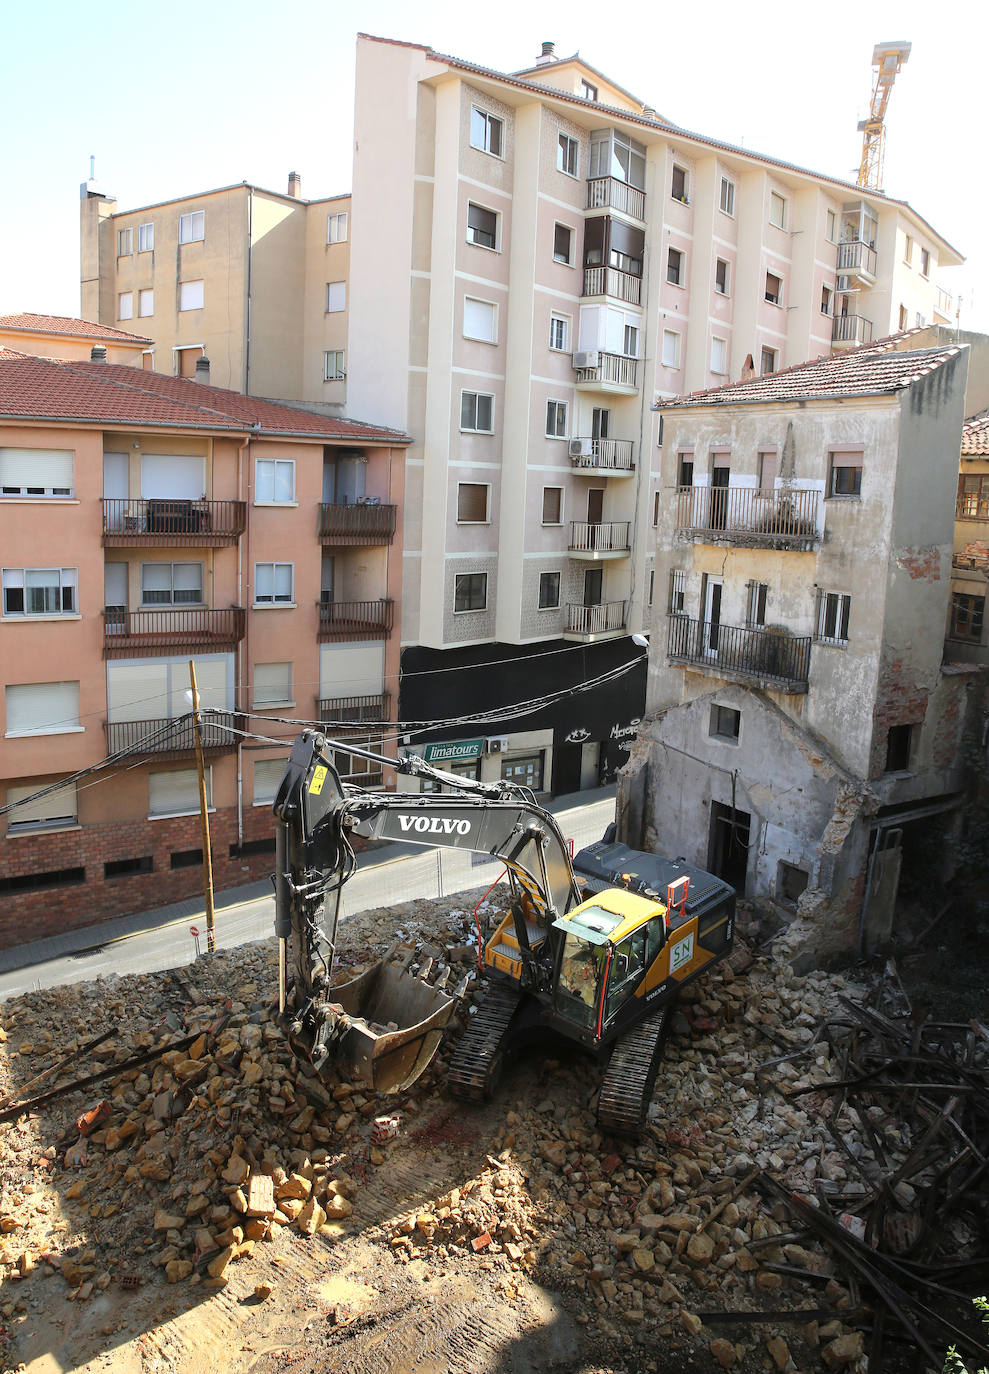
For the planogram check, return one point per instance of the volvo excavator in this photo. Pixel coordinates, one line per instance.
(591, 953)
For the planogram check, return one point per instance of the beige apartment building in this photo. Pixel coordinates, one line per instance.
(61, 336)
(187, 522)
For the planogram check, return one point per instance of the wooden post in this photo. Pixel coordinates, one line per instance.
(203, 813)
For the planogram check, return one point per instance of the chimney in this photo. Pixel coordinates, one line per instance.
(748, 368)
(295, 185)
(202, 370)
(548, 54)
(649, 111)
(97, 353)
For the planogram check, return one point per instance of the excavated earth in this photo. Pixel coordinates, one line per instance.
(230, 1213)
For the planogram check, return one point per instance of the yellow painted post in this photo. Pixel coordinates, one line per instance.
(203, 812)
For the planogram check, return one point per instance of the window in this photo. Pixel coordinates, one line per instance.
(925, 263)
(920, 320)
(476, 412)
(686, 470)
(268, 774)
(831, 226)
(472, 503)
(273, 583)
(273, 684)
(486, 132)
(145, 238)
(845, 474)
(177, 793)
(334, 365)
(126, 868)
(192, 295)
(556, 419)
(50, 812)
(559, 333)
(898, 748)
(480, 320)
(145, 303)
(568, 155)
(904, 317)
(832, 617)
(630, 341)
(656, 506)
(826, 300)
(721, 277)
(171, 584)
(652, 586)
(43, 708)
(482, 226)
(678, 185)
(908, 251)
(791, 883)
(674, 267)
(36, 472)
(336, 296)
(336, 227)
(470, 592)
(767, 361)
(39, 591)
(725, 723)
(671, 348)
(755, 610)
(777, 210)
(587, 91)
(973, 498)
(563, 244)
(967, 614)
(727, 196)
(774, 288)
(766, 469)
(678, 592)
(549, 591)
(552, 505)
(192, 227)
(125, 242)
(125, 305)
(719, 355)
(614, 154)
(274, 481)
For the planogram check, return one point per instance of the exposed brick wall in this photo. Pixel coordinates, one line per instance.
(921, 563)
(900, 700)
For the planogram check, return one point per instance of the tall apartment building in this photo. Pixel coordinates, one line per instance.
(803, 717)
(186, 522)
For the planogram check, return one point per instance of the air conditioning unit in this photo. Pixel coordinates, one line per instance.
(586, 357)
(496, 744)
(580, 448)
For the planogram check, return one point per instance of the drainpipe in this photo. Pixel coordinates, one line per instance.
(243, 655)
(250, 262)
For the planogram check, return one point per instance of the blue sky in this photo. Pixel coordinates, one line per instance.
(180, 100)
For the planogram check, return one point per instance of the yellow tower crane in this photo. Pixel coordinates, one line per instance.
(887, 59)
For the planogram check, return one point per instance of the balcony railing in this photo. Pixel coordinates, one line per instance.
(610, 537)
(780, 661)
(172, 523)
(186, 629)
(611, 281)
(352, 710)
(355, 619)
(608, 193)
(607, 618)
(856, 256)
(614, 454)
(356, 524)
(749, 517)
(851, 329)
(613, 369)
(172, 736)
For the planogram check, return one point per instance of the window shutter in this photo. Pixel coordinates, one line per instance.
(56, 806)
(36, 467)
(272, 682)
(42, 707)
(177, 792)
(267, 776)
(479, 319)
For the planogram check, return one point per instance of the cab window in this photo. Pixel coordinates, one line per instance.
(628, 964)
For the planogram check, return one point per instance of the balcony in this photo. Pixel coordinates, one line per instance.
(179, 739)
(356, 525)
(597, 542)
(603, 457)
(766, 658)
(611, 372)
(746, 517)
(608, 193)
(354, 620)
(944, 305)
(610, 281)
(851, 330)
(188, 629)
(858, 260)
(150, 523)
(604, 621)
(354, 710)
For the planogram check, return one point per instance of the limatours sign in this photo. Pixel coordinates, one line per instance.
(456, 751)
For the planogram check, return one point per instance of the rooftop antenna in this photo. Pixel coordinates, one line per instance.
(92, 166)
(887, 59)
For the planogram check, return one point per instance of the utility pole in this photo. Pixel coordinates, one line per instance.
(203, 812)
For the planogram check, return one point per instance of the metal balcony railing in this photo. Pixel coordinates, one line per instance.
(609, 617)
(610, 537)
(358, 524)
(611, 281)
(355, 619)
(613, 368)
(179, 630)
(608, 193)
(355, 709)
(153, 522)
(851, 329)
(749, 517)
(615, 454)
(759, 655)
(856, 256)
(172, 736)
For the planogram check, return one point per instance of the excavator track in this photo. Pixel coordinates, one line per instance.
(629, 1078)
(475, 1065)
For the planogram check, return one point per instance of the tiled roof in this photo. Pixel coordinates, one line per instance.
(105, 393)
(859, 372)
(975, 436)
(65, 324)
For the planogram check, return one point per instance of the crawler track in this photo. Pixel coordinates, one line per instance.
(631, 1073)
(476, 1061)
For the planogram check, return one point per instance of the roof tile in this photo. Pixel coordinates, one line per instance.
(66, 324)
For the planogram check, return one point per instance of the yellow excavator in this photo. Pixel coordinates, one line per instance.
(592, 952)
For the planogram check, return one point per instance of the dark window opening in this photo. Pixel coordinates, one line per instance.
(56, 877)
(185, 858)
(790, 883)
(725, 722)
(898, 748)
(241, 851)
(123, 868)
